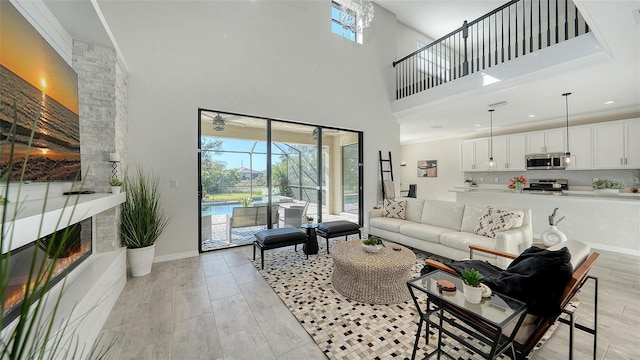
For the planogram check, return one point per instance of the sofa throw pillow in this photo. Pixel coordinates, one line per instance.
(395, 209)
(494, 220)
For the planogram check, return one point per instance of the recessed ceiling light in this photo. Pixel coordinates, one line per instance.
(478, 125)
(436, 127)
(609, 102)
(532, 115)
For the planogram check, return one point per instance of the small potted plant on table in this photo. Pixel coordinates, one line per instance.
(471, 279)
(309, 219)
(372, 244)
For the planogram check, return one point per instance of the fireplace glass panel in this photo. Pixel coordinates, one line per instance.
(75, 249)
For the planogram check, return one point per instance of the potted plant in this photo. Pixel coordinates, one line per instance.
(142, 220)
(471, 279)
(116, 185)
(246, 201)
(469, 183)
(309, 219)
(372, 244)
(517, 182)
(607, 187)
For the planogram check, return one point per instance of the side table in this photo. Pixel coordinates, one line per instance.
(311, 246)
(484, 322)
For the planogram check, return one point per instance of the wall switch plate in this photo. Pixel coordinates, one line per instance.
(173, 183)
(496, 179)
(481, 178)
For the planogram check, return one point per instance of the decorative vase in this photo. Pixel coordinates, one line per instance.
(116, 189)
(552, 236)
(518, 187)
(473, 294)
(140, 260)
(371, 248)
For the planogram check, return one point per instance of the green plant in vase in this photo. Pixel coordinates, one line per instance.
(246, 201)
(471, 277)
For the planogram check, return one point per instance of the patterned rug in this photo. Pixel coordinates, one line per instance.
(342, 328)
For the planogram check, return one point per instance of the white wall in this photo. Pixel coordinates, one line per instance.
(447, 152)
(406, 40)
(275, 59)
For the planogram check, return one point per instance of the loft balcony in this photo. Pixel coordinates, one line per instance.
(516, 39)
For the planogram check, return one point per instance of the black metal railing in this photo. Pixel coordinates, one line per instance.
(515, 29)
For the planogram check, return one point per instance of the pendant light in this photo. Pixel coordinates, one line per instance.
(567, 154)
(491, 162)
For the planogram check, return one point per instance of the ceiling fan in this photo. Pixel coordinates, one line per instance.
(219, 121)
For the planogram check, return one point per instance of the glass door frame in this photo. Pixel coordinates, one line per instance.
(269, 179)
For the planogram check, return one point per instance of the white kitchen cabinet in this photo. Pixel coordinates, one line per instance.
(500, 153)
(474, 155)
(615, 145)
(547, 141)
(632, 143)
(580, 146)
(509, 152)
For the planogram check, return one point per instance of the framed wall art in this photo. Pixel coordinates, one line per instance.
(427, 168)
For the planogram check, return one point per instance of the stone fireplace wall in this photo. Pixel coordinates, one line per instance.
(103, 100)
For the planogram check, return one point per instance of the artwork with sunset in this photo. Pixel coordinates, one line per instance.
(38, 81)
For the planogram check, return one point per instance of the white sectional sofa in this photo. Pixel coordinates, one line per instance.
(447, 229)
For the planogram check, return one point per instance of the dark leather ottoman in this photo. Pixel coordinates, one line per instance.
(275, 238)
(331, 229)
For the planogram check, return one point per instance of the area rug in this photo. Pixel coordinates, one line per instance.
(342, 328)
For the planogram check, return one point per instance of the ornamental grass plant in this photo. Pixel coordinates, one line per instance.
(142, 217)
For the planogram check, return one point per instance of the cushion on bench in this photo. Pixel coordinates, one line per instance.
(336, 227)
(281, 235)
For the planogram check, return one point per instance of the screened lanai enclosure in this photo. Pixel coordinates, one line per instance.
(258, 173)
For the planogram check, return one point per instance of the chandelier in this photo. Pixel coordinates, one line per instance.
(356, 15)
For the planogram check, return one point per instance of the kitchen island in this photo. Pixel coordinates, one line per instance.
(605, 222)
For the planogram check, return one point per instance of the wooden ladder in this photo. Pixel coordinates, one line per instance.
(386, 169)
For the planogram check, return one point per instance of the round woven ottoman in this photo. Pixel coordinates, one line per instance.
(372, 278)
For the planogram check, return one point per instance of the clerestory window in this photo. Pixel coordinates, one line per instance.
(341, 29)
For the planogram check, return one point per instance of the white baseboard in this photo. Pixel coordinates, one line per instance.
(616, 249)
(177, 256)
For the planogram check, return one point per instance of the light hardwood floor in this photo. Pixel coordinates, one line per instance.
(217, 306)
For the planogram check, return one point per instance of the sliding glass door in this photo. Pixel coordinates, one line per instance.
(260, 173)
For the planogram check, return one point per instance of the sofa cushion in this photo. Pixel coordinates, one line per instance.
(473, 213)
(443, 214)
(471, 217)
(394, 209)
(495, 220)
(423, 232)
(462, 240)
(414, 209)
(389, 224)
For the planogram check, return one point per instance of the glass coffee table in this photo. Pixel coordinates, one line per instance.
(484, 321)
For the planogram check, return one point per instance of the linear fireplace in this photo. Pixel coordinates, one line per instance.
(75, 249)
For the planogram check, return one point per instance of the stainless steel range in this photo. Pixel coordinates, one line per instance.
(547, 186)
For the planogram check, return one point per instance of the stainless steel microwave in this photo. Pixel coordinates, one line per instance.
(548, 161)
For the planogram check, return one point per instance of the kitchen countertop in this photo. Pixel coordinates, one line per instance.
(587, 194)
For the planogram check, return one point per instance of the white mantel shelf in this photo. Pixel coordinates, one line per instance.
(32, 219)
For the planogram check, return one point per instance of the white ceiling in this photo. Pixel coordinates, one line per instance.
(615, 76)
(592, 81)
